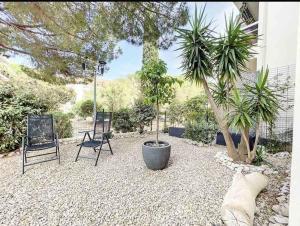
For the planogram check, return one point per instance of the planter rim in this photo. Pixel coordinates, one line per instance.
(156, 147)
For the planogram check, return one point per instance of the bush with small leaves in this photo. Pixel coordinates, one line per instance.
(85, 108)
(123, 121)
(63, 125)
(204, 132)
(260, 155)
(14, 107)
(196, 109)
(143, 114)
(176, 113)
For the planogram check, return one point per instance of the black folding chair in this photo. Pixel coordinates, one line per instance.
(100, 136)
(40, 136)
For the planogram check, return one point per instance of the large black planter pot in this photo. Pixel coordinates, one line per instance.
(176, 131)
(236, 137)
(156, 158)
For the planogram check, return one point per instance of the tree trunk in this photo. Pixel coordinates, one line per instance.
(232, 153)
(150, 42)
(246, 140)
(257, 132)
(150, 51)
(157, 121)
(242, 147)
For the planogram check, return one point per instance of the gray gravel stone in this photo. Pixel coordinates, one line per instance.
(119, 191)
(281, 219)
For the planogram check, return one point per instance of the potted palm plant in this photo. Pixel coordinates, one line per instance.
(158, 89)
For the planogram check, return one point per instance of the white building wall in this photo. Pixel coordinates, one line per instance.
(294, 209)
(278, 28)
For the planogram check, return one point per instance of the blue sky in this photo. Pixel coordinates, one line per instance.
(131, 59)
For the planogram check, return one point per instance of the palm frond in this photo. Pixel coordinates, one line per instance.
(233, 50)
(196, 47)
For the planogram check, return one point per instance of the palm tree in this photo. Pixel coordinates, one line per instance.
(223, 58)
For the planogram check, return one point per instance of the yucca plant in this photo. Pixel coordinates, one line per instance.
(258, 103)
(197, 48)
(260, 155)
(220, 93)
(263, 103)
(239, 117)
(224, 59)
(232, 51)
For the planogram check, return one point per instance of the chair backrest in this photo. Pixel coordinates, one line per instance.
(102, 124)
(40, 129)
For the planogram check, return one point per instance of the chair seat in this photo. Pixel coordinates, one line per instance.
(92, 143)
(41, 146)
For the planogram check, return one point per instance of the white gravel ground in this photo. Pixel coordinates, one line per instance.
(119, 191)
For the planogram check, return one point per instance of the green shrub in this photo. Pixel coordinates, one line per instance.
(260, 155)
(143, 114)
(192, 110)
(196, 109)
(201, 132)
(124, 121)
(85, 108)
(51, 95)
(71, 115)
(14, 107)
(176, 113)
(63, 125)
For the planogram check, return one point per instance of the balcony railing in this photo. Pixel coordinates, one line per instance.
(252, 28)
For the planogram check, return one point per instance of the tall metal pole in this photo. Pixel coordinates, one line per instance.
(95, 94)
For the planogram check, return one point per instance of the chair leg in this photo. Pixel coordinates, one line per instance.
(23, 162)
(99, 153)
(58, 153)
(78, 153)
(25, 157)
(81, 145)
(109, 145)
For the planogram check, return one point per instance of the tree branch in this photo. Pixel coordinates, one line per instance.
(24, 28)
(155, 12)
(62, 28)
(14, 49)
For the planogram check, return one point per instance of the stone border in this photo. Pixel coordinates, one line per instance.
(281, 210)
(192, 142)
(222, 158)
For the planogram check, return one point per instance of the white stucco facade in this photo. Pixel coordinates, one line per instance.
(294, 209)
(278, 47)
(278, 27)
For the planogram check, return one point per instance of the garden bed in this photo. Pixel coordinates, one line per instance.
(120, 190)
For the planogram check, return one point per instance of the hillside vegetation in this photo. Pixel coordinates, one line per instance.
(51, 94)
(111, 94)
(124, 91)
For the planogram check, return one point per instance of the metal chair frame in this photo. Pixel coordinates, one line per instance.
(28, 147)
(94, 142)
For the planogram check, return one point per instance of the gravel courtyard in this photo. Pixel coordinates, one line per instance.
(119, 191)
